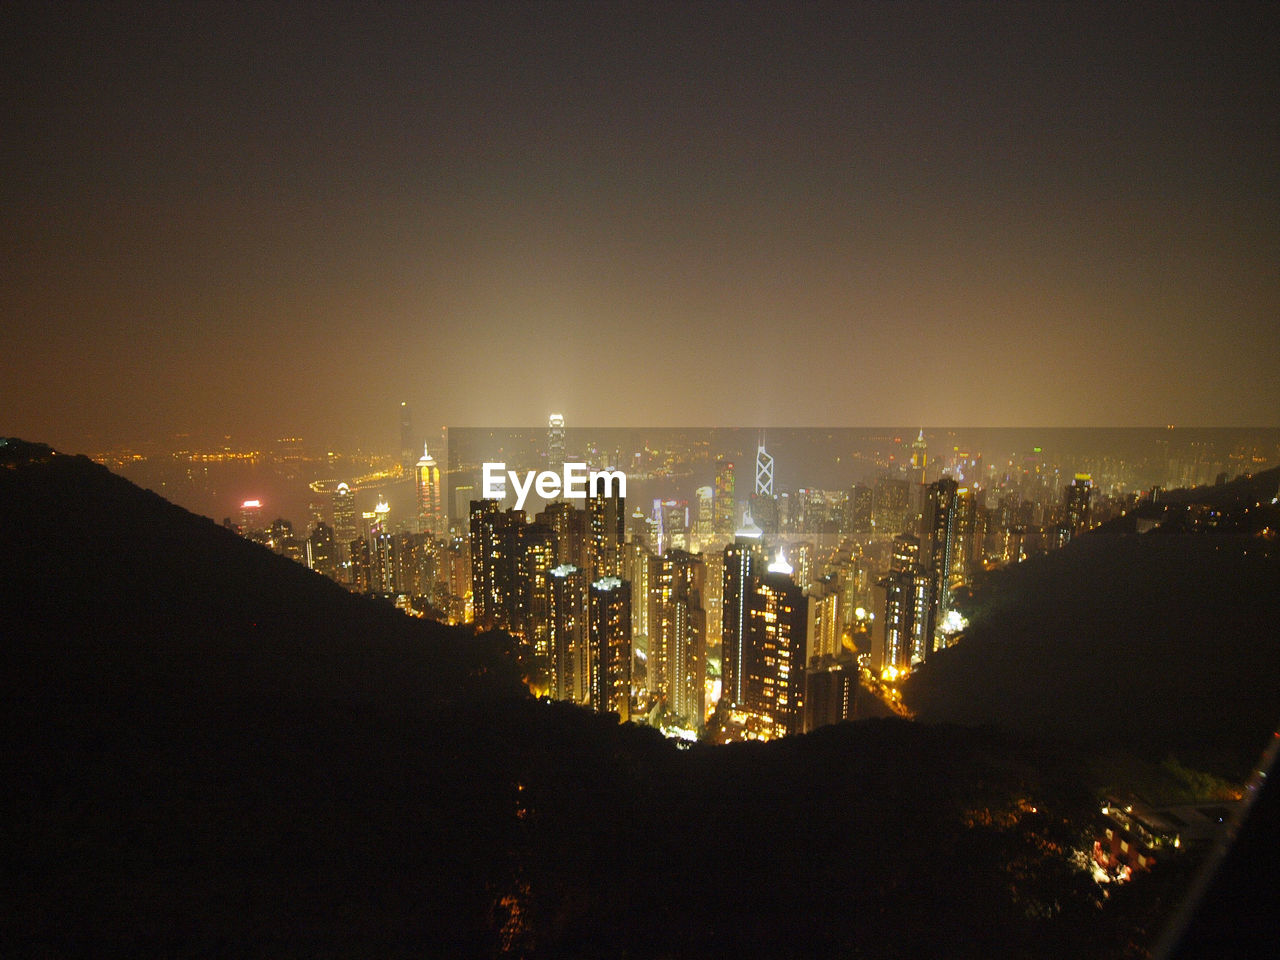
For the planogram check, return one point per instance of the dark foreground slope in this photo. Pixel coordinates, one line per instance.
(1162, 642)
(207, 751)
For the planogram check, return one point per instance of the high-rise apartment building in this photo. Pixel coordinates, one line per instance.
(1078, 497)
(570, 659)
(831, 690)
(610, 654)
(900, 632)
(677, 635)
(859, 510)
(890, 507)
(535, 558)
(322, 551)
(606, 532)
(495, 549)
(743, 562)
(775, 657)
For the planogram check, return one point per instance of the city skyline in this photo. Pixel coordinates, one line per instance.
(928, 350)
(663, 462)
(743, 610)
(283, 219)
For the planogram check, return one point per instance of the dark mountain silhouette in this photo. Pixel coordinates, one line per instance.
(1166, 641)
(209, 751)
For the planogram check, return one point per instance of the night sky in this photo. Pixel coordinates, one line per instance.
(265, 219)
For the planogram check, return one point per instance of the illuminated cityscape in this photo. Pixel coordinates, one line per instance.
(764, 633)
(579, 479)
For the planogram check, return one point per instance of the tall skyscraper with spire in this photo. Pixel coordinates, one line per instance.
(346, 525)
(431, 517)
(764, 471)
(764, 505)
(555, 441)
(919, 458)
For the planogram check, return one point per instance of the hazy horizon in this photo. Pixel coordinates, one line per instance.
(284, 219)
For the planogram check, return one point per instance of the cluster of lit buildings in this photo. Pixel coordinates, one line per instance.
(742, 614)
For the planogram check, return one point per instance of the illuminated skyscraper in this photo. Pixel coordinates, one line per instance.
(360, 565)
(743, 562)
(966, 507)
(919, 458)
(713, 600)
(427, 482)
(570, 651)
(677, 638)
(764, 505)
(535, 560)
(281, 530)
(1078, 497)
(800, 556)
(385, 566)
(704, 518)
(606, 525)
(417, 568)
(492, 563)
(826, 630)
(900, 633)
(943, 545)
(322, 551)
(555, 442)
(764, 472)
(856, 582)
(906, 554)
(638, 527)
(859, 507)
(250, 517)
(345, 526)
(610, 631)
(570, 525)
(725, 508)
(635, 569)
(381, 517)
(889, 508)
(774, 664)
(923, 622)
(672, 517)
